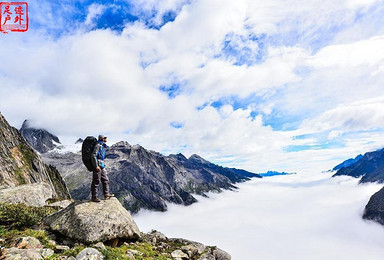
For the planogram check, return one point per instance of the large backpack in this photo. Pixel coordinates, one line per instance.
(87, 150)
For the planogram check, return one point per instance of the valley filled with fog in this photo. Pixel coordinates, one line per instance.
(302, 216)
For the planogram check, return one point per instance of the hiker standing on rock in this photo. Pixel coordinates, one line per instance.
(99, 172)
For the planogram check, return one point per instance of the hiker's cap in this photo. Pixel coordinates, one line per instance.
(101, 137)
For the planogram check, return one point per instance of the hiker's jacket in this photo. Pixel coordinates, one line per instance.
(98, 154)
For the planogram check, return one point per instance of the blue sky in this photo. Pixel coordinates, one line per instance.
(256, 85)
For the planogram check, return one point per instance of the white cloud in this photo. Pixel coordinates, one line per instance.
(306, 216)
(158, 8)
(71, 83)
(367, 53)
(94, 10)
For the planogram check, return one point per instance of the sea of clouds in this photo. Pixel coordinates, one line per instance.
(302, 216)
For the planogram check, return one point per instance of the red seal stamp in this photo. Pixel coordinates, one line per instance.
(13, 17)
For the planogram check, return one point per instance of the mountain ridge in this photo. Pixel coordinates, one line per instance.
(145, 179)
(370, 167)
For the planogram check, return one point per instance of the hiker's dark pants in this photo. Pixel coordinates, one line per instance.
(97, 176)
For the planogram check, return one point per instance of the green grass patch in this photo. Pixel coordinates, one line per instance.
(9, 234)
(21, 215)
(146, 252)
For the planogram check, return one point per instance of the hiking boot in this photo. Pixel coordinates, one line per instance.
(108, 196)
(96, 199)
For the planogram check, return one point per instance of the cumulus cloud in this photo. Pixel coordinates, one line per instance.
(283, 71)
(362, 115)
(306, 216)
(94, 11)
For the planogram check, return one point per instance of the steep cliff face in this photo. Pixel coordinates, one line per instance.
(146, 179)
(374, 210)
(41, 140)
(20, 164)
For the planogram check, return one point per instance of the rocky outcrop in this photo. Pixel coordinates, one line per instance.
(35, 194)
(370, 167)
(40, 139)
(20, 164)
(374, 210)
(185, 249)
(91, 222)
(146, 179)
(152, 245)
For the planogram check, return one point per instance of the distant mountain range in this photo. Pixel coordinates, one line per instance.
(274, 173)
(141, 178)
(370, 167)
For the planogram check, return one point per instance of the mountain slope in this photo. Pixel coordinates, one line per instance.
(146, 179)
(370, 167)
(374, 210)
(20, 164)
(347, 163)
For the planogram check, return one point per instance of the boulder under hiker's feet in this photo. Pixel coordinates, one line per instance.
(108, 196)
(96, 199)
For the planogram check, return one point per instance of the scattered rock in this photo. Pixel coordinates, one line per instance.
(30, 194)
(221, 255)
(158, 235)
(52, 242)
(46, 252)
(134, 252)
(17, 253)
(207, 256)
(28, 243)
(62, 204)
(91, 222)
(179, 255)
(191, 250)
(61, 248)
(100, 245)
(89, 254)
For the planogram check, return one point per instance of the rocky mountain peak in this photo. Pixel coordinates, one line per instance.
(198, 159)
(180, 157)
(40, 139)
(122, 144)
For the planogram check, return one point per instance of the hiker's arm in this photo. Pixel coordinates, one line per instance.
(94, 156)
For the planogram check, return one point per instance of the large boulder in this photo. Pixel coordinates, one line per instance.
(30, 194)
(374, 210)
(91, 222)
